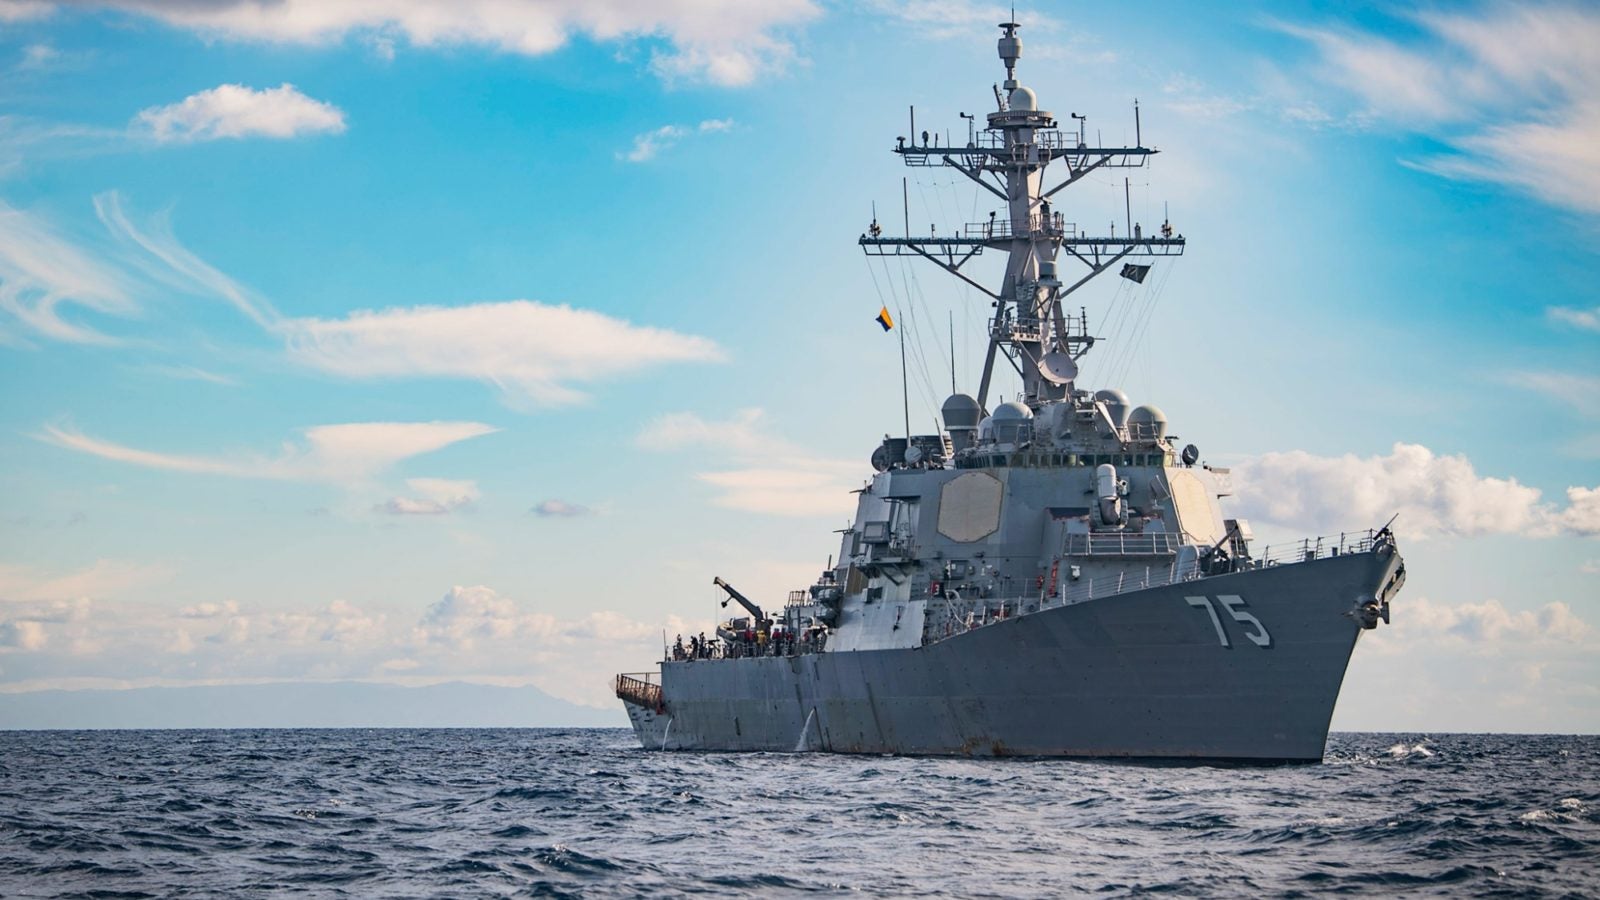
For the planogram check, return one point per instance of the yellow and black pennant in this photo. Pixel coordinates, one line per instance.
(884, 319)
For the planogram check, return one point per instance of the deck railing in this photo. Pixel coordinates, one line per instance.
(1183, 568)
(1117, 543)
(639, 690)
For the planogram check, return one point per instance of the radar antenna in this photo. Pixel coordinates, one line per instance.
(1009, 159)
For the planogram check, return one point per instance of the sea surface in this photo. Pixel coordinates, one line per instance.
(585, 813)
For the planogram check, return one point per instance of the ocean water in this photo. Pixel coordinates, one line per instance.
(424, 813)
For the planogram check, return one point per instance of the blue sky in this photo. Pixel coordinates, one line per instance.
(468, 341)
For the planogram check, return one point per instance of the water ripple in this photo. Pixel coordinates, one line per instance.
(584, 813)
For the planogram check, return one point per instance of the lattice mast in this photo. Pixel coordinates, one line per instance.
(1009, 158)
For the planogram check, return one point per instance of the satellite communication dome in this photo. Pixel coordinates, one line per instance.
(1116, 403)
(1012, 410)
(1023, 100)
(986, 429)
(1147, 423)
(1012, 422)
(961, 411)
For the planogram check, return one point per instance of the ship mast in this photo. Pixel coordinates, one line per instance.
(1009, 158)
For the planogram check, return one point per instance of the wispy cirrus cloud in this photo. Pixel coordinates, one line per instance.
(650, 144)
(1513, 89)
(1583, 319)
(724, 42)
(43, 273)
(237, 111)
(761, 473)
(538, 354)
(956, 19)
(335, 454)
(179, 267)
(1579, 393)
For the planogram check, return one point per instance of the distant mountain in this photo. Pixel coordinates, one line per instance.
(342, 704)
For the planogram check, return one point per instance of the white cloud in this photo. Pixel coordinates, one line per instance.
(648, 145)
(36, 57)
(41, 272)
(956, 19)
(729, 42)
(1582, 514)
(209, 610)
(743, 435)
(808, 488)
(180, 266)
(1490, 622)
(1514, 89)
(1581, 393)
(1433, 495)
(771, 476)
(1590, 567)
(24, 10)
(337, 454)
(528, 349)
(554, 508)
(90, 628)
(536, 353)
(22, 634)
(100, 579)
(434, 497)
(1586, 319)
(237, 111)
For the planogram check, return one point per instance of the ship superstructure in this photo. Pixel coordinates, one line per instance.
(1050, 575)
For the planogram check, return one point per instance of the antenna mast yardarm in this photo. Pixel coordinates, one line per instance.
(1008, 159)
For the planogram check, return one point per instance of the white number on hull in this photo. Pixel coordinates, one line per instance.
(1256, 632)
(1205, 604)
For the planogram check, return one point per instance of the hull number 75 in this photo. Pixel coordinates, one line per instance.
(1255, 632)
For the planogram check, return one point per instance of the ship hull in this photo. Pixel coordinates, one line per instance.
(1177, 671)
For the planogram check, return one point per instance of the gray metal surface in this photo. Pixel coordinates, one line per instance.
(1142, 674)
(1047, 576)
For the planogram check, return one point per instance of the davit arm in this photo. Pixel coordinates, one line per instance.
(735, 595)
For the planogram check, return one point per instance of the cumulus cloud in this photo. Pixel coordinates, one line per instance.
(532, 351)
(728, 42)
(1434, 495)
(337, 454)
(22, 634)
(41, 273)
(432, 497)
(561, 509)
(646, 146)
(1514, 90)
(768, 475)
(209, 610)
(1490, 622)
(237, 111)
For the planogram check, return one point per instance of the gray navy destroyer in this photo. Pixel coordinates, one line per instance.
(1052, 576)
